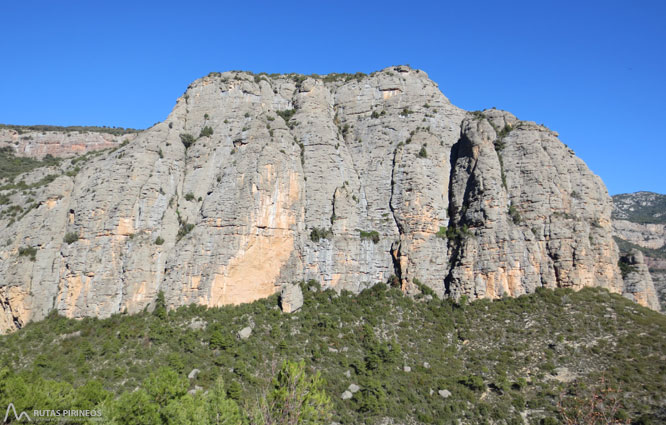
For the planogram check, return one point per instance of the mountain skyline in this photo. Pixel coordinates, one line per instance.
(588, 72)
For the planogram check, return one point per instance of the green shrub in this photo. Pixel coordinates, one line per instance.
(316, 234)
(514, 214)
(73, 172)
(160, 310)
(425, 290)
(453, 233)
(372, 235)
(184, 229)
(159, 240)
(71, 237)
(206, 132)
(625, 267)
(234, 390)
(423, 153)
(28, 251)
(220, 340)
(189, 196)
(499, 141)
(286, 114)
(295, 398)
(473, 382)
(187, 139)
(372, 398)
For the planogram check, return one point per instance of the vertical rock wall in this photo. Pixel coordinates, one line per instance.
(348, 180)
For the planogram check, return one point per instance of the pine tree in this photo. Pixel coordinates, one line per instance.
(160, 306)
(295, 398)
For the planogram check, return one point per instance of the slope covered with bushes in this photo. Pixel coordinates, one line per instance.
(420, 360)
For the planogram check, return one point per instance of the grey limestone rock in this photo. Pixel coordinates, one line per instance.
(638, 282)
(245, 333)
(525, 213)
(444, 393)
(353, 388)
(291, 298)
(254, 182)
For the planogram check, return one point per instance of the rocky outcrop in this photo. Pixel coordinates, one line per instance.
(638, 283)
(255, 181)
(647, 235)
(59, 143)
(639, 222)
(291, 298)
(526, 212)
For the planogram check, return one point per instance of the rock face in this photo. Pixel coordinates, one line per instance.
(291, 298)
(639, 222)
(638, 284)
(526, 212)
(59, 143)
(255, 181)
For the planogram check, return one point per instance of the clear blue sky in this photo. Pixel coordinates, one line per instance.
(593, 71)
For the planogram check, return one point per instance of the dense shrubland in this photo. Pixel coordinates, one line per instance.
(419, 360)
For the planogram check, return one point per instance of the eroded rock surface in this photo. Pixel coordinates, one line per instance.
(255, 181)
(291, 298)
(639, 222)
(58, 143)
(638, 283)
(526, 212)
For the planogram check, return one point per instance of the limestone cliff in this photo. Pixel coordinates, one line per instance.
(39, 141)
(256, 181)
(639, 223)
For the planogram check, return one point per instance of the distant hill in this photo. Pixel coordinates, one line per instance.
(640, 207)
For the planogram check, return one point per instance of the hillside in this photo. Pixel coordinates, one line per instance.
(415, 360)
(640, 207)
(639, 223)
(255, 181)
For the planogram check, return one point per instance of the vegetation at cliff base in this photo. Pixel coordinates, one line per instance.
(364, 358)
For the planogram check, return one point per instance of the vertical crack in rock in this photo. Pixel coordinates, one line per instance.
(454, 245)
(395, 246)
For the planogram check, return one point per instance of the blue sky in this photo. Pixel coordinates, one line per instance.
(593, 71)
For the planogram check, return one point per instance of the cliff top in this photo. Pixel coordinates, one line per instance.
(116, 131)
